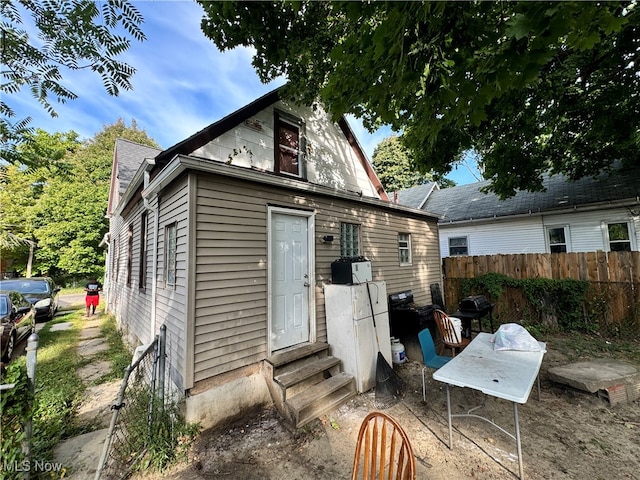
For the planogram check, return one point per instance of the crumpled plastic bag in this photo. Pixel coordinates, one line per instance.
(511, 336)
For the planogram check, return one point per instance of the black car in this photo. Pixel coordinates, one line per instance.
(18, 321)
(42, 292)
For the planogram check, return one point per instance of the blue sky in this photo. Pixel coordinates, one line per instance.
(182, 84)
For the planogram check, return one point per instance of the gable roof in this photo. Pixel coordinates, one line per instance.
(467, 202)
(127, 158)
(416, 197)
(213, 131)
(129, 155)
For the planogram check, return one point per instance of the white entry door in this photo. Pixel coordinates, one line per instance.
(290, 279)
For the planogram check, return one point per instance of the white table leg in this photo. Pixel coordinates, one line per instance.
(517, 425)
(449, 417)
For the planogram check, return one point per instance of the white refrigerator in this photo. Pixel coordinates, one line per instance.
(350, 331)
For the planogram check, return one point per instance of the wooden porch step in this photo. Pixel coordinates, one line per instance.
(321, 398)
(288, 356)
(300, 374)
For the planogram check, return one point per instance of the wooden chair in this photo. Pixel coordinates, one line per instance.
(451, 338)
(383, 450)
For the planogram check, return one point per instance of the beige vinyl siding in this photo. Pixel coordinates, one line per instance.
(120, 295)
(172, 300)
(230, 328)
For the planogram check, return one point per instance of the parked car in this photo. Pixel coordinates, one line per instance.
(42, 292)
(18, 321)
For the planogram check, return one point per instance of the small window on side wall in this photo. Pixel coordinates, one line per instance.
(619, 237)
(171, 248)
(142, 272)
(458, 246)
(557, 237)
(404, 248)
(349, 240)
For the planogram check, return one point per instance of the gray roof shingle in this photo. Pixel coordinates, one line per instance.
(415, 196)
(130, 156)
(467, 202)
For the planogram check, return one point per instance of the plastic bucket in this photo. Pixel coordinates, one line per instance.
(457, 327)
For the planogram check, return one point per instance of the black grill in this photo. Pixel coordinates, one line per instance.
(474, 308)
(407, 319)
(478, 303)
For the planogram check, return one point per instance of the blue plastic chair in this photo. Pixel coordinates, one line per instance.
(429, 356)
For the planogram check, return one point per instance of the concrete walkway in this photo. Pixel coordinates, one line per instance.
(80, 455)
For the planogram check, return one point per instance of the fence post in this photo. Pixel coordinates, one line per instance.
(32, 355)
(161, 365)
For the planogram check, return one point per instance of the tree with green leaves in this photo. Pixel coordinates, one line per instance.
(533, 87)
(70, 36)
(62, 210)
(394, 167)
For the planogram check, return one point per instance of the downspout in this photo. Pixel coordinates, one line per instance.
(154, 263)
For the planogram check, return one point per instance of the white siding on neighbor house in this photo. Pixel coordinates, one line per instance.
(230, 276)
(330, 160)
(588, 230)
(497, 237)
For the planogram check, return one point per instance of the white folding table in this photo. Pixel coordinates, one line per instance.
(505, 374)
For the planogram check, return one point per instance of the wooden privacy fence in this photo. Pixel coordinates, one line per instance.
(616, 273)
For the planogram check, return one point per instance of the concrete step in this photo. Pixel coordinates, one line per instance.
(321, 398)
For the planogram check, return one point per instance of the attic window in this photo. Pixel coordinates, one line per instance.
(288, 151)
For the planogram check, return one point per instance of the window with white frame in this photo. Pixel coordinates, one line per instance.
(458, 246)
(404, 248)
(619, 237)
(557, 238)
(171, 247)
(349, 240)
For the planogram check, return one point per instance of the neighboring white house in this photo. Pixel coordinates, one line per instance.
(218, 235)
(590, 214)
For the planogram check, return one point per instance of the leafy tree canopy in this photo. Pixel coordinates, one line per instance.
(63, 213)
(70, 36)
(531, 86)
(394, 167)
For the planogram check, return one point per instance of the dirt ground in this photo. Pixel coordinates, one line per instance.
(565, 435)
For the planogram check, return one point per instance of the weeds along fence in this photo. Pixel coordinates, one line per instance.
(137, 413)
(611, 302)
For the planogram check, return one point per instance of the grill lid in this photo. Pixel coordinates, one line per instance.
(401, 298)
(476, 303)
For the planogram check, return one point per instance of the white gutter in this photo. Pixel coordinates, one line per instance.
(154, 269)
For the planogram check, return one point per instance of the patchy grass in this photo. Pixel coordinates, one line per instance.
(579, 346)
(117, 354)
(58, 388)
